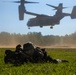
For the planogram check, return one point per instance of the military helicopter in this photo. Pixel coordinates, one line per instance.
(45, 20)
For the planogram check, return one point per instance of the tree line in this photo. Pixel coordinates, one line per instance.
(37, 38)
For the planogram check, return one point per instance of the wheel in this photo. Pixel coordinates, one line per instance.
(41, 26)
(28, 27)
(51, 27)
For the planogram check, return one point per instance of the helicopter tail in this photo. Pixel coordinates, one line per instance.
(73, 14)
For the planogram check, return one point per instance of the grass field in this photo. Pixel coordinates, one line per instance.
(42, 68)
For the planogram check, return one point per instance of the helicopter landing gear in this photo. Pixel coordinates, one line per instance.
(28, 27)
(41, 26)
(51, 27)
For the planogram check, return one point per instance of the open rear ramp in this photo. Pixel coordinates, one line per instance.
(73, 14)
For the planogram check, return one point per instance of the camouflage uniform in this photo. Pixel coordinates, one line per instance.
(18, 48)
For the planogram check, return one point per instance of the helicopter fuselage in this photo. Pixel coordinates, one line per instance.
(42, 20)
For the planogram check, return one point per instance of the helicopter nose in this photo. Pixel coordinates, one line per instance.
(28, 23)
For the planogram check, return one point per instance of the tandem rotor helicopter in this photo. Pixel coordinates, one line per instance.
(44, 20)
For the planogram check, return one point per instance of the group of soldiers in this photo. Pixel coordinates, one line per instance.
(29, 53)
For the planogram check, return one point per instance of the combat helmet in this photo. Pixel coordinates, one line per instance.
(28, 48)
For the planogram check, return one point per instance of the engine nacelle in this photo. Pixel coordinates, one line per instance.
(73, 14)
(21, 12)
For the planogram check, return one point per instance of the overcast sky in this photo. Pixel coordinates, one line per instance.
(9, 20)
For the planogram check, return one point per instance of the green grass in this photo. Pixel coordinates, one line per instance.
(42, 68)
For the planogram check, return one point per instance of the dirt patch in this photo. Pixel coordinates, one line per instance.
(65, 47)
(7, 46)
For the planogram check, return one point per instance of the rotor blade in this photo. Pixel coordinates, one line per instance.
(20, 2)
(52, 6)
(62, 8)
(55, 7)
(16, 1)
(65, 7)
(13, 1)
(30, 2)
